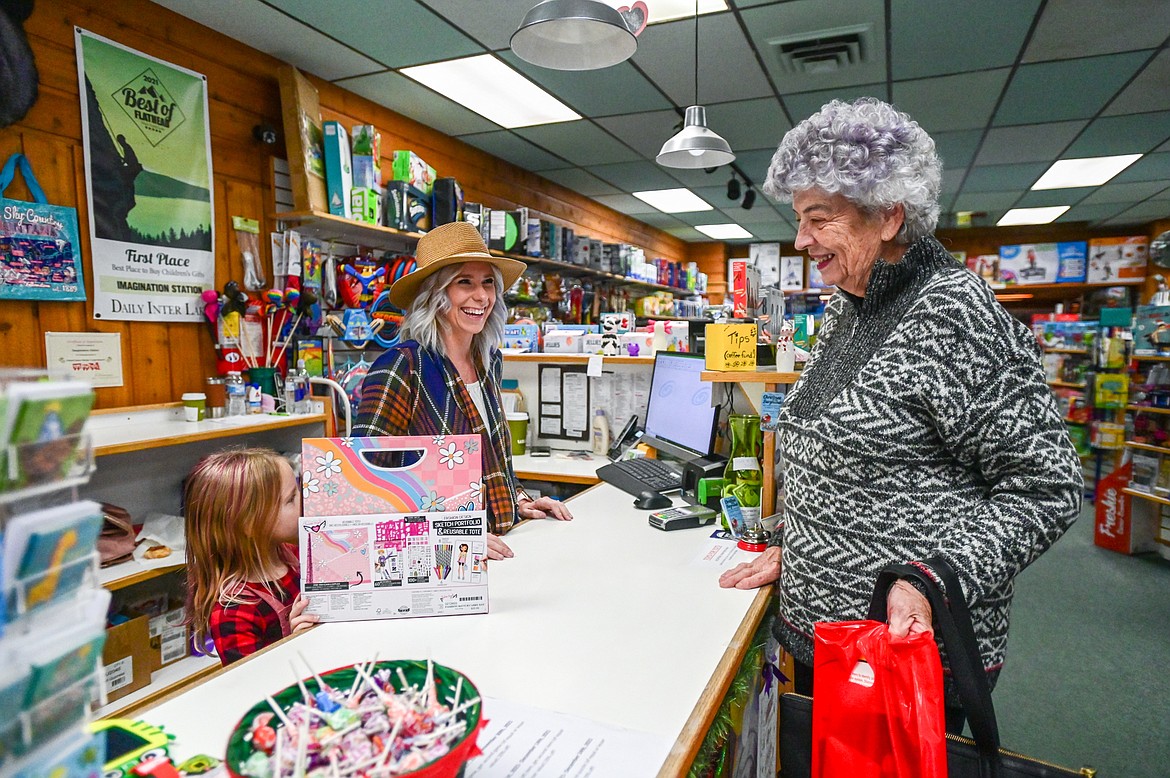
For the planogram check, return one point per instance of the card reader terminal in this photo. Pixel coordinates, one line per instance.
(682, 517)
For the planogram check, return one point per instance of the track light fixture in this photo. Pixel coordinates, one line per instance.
(749, 199)
(733, 188)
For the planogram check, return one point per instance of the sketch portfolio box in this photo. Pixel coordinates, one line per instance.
(394, 527)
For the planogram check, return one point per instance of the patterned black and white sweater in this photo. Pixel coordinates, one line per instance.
(922, 426)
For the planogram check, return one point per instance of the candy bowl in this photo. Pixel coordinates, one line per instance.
(375, 720)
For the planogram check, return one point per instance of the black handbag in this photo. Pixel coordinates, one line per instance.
(980, 757)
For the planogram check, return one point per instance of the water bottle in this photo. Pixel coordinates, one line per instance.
(236, 405)
(296, 389)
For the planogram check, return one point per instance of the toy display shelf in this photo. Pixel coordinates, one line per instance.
(1063, 350)
(1067, 384)
(1146, 496)
(1146, 409)
(1151, 358)
(667, 317)
(122, 430)
(1039, 293)
(327, 228)
(1147, 447)
(575, 359)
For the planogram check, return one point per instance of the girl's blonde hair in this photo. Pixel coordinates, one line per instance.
(232, 500)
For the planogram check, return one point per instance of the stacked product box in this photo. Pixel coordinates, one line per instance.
(1117, 259)
(1043, 263)
(338, 169)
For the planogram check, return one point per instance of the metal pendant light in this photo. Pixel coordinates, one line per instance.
(573, 35)
(695, 146)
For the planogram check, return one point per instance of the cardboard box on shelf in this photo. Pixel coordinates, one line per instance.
(338, 169)
(409, 167)
(1043, 263)
(168, 636)
(745, 289)
(128, 657)
(1114, 259)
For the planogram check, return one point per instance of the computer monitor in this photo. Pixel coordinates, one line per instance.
(680, 420)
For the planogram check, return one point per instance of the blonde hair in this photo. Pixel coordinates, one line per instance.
(232, 500)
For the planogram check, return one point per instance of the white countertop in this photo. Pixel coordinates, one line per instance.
(603, 617)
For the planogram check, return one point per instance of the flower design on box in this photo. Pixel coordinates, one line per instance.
(328, 465)
(450, 456)
(438, 440)
(309, 483)
(472, 445)
(347, 442)
(476, 487)
(433, 502)
(330, 489)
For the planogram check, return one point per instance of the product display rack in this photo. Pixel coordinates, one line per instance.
(328, 228)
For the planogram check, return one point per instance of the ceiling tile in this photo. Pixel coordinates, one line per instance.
(613, 90)
(275, 33)
(579, 181)
(1126, 193)
(805, 104)
(1001, 178)
(1151, 167)
(748, 124)
(770, 25)
(1149, 91)
(512, 148)
(985, 201)
(581, 142)
(957, 148)
(958, 102)
(773, 232)
(624, 203)
(410, 98)
(717, 195)
(1083, 212)
(695, 218)
(634, 176)
(492, 24)
(1043, 198)
(1142, 213)
(1069, 89)
(687, 234)
(644, 132)
(929, 38)
(365, 25)
(660, 220)
(1027, 143)
(728, 67)
(1084, 28)
(699, 177)
(1131, 134)
(951, 179)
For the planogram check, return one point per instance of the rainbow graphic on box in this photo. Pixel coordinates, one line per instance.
(362, 476)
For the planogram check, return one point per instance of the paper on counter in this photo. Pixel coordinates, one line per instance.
(521, 741)
(721, 553)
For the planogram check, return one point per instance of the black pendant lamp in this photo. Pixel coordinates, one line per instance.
(573, 35)
(695, 146)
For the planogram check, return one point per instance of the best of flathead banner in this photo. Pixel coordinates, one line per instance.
(148, 169)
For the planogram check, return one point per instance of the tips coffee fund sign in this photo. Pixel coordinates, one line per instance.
(731, 347)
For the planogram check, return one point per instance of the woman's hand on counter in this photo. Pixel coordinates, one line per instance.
(761, 571)
(497, 548)
(543, 507)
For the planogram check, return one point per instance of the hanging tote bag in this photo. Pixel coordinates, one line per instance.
(980, 757)
(40, 254)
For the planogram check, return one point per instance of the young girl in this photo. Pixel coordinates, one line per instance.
(243, 577)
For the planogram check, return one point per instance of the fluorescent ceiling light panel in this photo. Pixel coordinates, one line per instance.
(1031, 215)
(1088, 171)
(674, 200)
(668, 10)
(723, 231)
(493, 90)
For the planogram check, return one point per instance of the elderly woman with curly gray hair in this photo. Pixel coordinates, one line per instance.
(922, 425)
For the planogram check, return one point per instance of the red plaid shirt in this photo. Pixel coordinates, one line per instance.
(245, 628)
(410, 390)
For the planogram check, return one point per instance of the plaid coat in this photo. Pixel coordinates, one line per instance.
(411, 390)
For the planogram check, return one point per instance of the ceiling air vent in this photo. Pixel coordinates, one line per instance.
(823, 51)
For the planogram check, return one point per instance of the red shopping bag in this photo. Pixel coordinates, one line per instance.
(879, 703)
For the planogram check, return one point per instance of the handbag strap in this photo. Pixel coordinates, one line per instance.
(952, 620)
(8, 173)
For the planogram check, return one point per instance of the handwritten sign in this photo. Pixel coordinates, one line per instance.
(731, 346)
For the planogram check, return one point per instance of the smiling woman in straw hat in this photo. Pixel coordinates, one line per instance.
(444, 377)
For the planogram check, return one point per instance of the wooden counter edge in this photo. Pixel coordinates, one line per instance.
(687, 745)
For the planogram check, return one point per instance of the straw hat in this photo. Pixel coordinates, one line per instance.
(450, 244)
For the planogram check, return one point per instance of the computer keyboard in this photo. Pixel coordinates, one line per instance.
(638, 475)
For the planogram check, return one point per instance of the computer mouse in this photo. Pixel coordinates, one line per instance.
(652, 501)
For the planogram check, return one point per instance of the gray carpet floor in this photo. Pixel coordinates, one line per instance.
(1087, 679)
